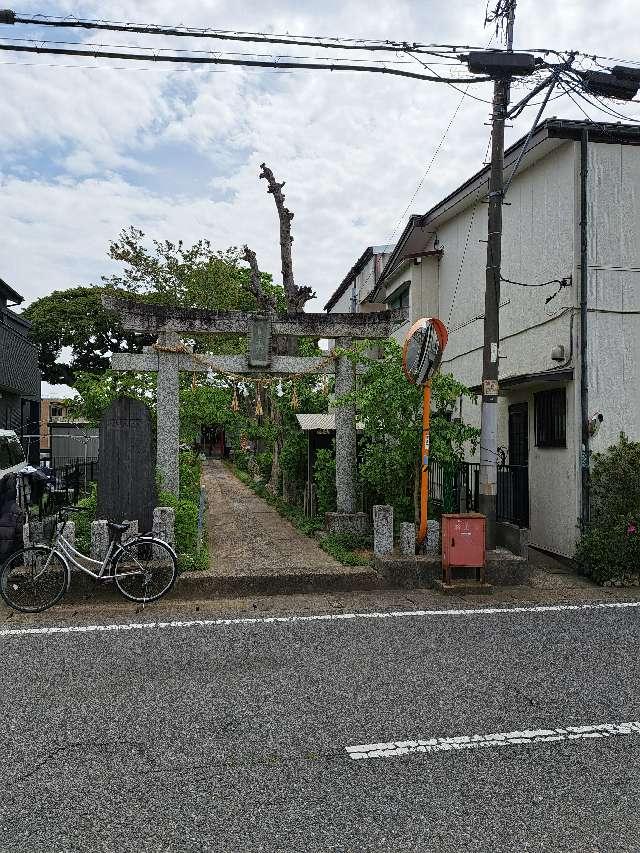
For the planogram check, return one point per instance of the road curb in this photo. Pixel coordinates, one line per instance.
(205, 584)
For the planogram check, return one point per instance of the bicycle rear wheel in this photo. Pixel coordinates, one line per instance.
(144, 569)
(33, 579)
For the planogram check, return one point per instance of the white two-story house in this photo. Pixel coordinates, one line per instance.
(438, 269)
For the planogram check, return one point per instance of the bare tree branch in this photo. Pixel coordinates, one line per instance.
(254, 286)
(296, 296)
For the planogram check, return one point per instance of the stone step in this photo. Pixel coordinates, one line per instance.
(464, 587)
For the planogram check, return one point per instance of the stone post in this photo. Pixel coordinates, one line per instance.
(382, 530)
(99, 540)
(431, 544)
(408, 539)
(32, 533)
(132, 532)
(164, 519)
(69, 531)
(345, 433)
(168, 411)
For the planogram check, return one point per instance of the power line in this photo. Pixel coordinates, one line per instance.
(481, 194)
(599, 106)
(346, 43)
(216, 60)
(453, 86)
(561, 281)
(224, 35)
(190, 51)
(525, 146)
(421, 181)
(465, 93)
(596, 101)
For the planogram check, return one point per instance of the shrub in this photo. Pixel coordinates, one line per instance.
(324, 474)
(264, 462)
(191, 556)
(89, 505)
(345, 549)
(609, 548)
(241, 460)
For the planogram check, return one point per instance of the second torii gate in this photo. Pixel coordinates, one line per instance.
(169, 356)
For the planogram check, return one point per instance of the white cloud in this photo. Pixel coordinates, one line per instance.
(351, 148)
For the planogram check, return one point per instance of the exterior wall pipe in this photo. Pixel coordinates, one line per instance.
(584, 295)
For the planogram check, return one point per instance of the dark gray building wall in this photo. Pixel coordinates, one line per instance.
(19, 382)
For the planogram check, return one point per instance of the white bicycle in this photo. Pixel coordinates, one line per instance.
(35, 578)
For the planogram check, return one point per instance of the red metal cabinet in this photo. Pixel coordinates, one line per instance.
(463, 543)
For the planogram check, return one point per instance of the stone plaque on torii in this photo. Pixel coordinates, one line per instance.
(169, 356)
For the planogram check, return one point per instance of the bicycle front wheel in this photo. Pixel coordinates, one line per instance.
(33, 579)
(144, 569)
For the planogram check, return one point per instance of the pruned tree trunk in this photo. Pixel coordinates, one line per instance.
(265, 300)
(296, 297)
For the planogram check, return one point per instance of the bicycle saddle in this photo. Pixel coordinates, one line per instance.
(117, 528)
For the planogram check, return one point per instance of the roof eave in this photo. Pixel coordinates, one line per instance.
(551, 128)
(346, 281)
(10, 293)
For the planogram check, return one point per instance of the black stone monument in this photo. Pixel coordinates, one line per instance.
(126, 471)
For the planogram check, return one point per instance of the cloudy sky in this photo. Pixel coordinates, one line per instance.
(89, 147)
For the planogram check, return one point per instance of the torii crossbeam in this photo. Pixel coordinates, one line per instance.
(168, 357)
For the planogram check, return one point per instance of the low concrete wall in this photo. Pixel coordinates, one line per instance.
(506, 569)
(399, 570)
(503, 569)
(513, 538)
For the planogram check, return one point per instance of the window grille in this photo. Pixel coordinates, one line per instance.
(551, 418)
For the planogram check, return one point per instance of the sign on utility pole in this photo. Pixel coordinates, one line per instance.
(421, 357)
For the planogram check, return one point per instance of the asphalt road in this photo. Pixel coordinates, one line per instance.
(233, 737)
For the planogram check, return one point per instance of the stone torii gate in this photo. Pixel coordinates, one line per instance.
(169, 356)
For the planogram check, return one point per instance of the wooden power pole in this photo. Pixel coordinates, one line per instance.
(490, 355)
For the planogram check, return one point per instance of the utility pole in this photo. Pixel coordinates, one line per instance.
(490, 359)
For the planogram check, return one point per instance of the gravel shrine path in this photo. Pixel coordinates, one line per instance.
(249, 538)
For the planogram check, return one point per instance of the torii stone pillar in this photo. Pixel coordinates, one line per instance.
(167, 364)
(346, 466)
(168, 412)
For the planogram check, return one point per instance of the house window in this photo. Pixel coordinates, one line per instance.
(551, 418)
(57, 411)
(400, 298)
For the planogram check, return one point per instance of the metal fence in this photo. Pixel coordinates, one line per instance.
(65, 485)
(455, 487)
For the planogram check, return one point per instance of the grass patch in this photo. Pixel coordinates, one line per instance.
(191, 556)
(346, 549)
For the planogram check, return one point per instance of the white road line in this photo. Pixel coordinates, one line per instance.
(328, 617)
(448, 744)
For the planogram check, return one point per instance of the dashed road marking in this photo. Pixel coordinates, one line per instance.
(471, 612)
(517, 738)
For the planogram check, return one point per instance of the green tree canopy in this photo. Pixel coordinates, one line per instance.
(75, 320)
(75, 334)
(194, 276)
(390, 409)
